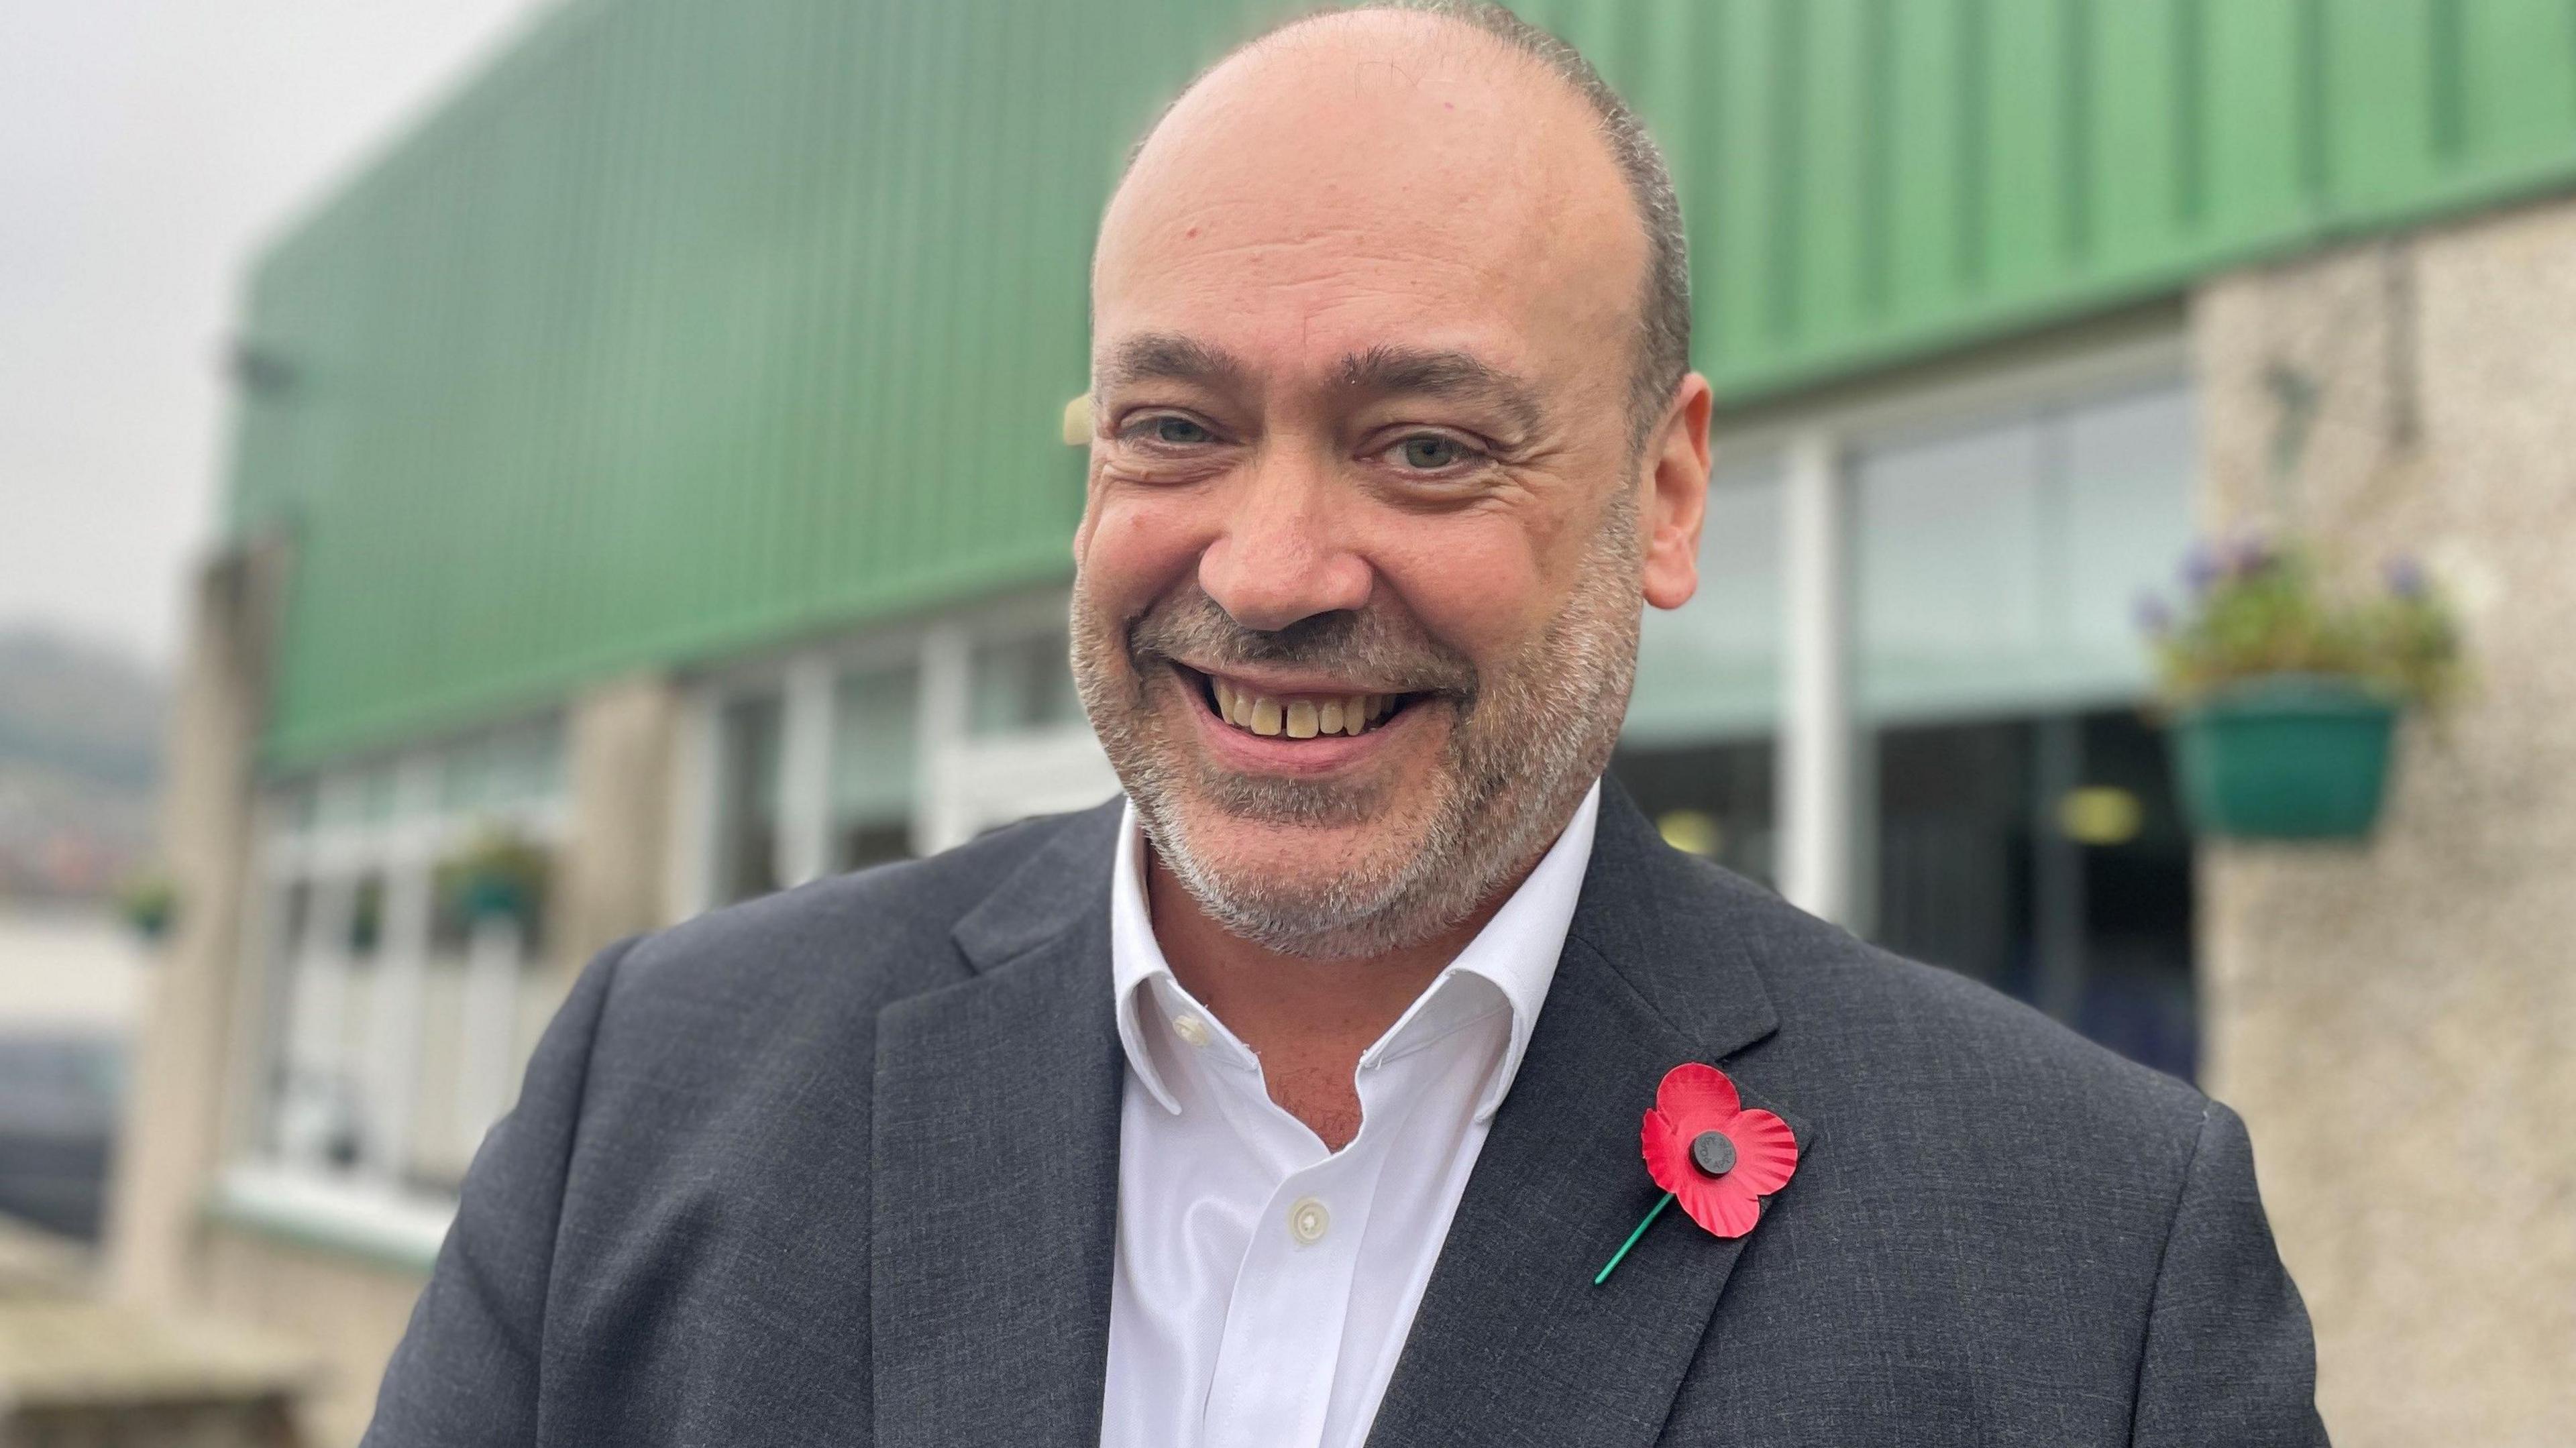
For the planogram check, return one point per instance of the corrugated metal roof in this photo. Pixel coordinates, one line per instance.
(690, 327)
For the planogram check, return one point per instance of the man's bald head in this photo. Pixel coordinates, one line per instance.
(1662, 343)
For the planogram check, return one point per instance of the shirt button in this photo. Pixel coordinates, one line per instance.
(1190, 1029)
(1308, 1221)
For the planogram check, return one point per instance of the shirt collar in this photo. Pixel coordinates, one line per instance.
(1516, 953)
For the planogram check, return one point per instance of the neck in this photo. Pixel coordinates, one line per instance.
(1308, 1020)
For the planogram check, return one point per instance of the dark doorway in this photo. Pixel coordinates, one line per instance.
(2046, 857)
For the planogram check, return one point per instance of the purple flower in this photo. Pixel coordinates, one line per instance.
(2152, 615)
(2249, 555)
(2406, 577)
(2199, 569)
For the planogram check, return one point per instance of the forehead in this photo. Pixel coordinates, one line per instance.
(1370, 181)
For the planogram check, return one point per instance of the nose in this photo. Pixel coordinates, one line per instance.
(1283, 555)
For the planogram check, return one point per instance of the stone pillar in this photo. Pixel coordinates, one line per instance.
(621, 745)
(174, 1122)
(2397, 1021)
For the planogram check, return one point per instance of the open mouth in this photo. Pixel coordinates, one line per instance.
(1300, 715)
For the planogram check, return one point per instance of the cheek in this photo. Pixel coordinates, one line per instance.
(1478, 590)
(1135, 548)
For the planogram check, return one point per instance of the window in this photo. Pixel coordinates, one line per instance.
(870, 751)
(2045, 856)
(1022, 684)
(399, 1010)
(1998, 561)
(876, 766)
(2024, 832)
(750, 739)
(1712, 799)
(2001, 809)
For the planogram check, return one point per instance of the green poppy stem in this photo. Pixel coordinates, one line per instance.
(1632, 1238)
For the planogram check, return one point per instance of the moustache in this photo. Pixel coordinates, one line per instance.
(1380, 646)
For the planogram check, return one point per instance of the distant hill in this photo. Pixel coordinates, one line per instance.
(80, 753)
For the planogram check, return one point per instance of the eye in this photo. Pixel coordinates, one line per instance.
(1178, 431)
(1430, 452)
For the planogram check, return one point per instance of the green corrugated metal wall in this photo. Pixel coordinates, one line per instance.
(689, 326)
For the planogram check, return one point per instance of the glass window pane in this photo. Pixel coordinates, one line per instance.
(1713, 800)
(2045, 856)
(1023, 683)
(2130, 465)
(289, 923)
(1954, 848)
(746, 854)
(440, 1145)
(478, 984)
(322, 1032)
(1949, 536)
(1998, 566)
(366, 919)
(518, 765)
(364, 797)
(299, 807)
(1711, 668)
(527, 763)
(875, 766)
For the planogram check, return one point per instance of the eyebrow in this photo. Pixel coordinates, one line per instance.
(1164, 356)
(1383, 370)
(1431, 373)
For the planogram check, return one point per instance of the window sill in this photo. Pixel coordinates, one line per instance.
(381, 1225)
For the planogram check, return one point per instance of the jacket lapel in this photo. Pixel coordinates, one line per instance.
(1513, 1343)
(996, 1170)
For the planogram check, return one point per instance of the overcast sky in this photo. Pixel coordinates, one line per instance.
(147, 148)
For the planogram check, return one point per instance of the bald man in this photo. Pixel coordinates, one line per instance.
(1295, 1098)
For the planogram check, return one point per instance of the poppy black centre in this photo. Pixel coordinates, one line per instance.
(1713, 1153)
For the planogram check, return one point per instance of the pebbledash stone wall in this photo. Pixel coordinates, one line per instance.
(2398, 1022)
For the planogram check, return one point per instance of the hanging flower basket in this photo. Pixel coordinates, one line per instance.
(2291, 757)
(148, 904)
(499, 877)
(2283, 700)
(487, 897)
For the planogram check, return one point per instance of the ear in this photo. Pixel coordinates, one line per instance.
(1090, 499)
(1674, 475)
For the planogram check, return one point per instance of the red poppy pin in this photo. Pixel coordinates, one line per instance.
(1703, 1148)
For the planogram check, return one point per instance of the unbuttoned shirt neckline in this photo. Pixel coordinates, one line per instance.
(1264, 1285)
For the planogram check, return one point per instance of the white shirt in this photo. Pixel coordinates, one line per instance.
(1265, 1285)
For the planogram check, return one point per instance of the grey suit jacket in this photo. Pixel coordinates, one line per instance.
(840, 1167)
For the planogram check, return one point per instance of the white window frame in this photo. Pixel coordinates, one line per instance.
(369, 1209)
(963, 783)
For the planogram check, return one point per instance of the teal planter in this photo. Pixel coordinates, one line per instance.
(489, 897)
(2296, 757)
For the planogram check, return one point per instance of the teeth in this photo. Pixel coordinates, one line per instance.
(1351, 714)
